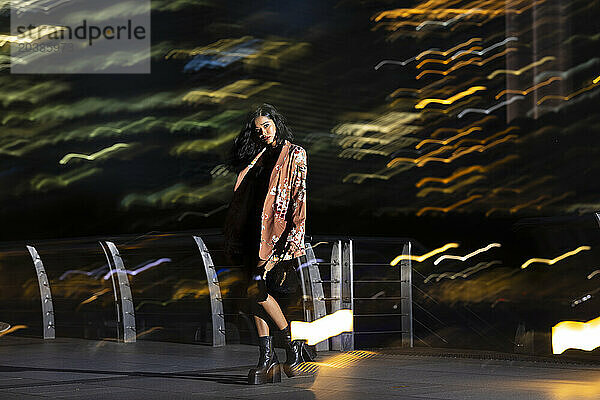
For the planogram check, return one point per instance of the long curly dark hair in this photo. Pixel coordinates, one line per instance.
(246, 145)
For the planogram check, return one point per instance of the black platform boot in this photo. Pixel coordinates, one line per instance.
(268, 369)
(296, 353)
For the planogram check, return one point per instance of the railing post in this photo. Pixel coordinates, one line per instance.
(316, 290)
(49, 330)
(347, 292)
(336, 287)
(216, 304)
(406, 297)
(306, 296)
(127, 308)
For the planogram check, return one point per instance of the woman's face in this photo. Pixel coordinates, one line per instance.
(264, 129)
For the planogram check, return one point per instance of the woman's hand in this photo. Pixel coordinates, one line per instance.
(266, 264)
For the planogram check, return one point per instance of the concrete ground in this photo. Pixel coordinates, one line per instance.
(83, 369)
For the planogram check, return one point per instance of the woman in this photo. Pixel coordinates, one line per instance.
(265, 224)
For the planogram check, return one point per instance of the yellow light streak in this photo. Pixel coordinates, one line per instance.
(520, 71)
(464, 171)
(348, 359)
(477, 4)
(93, 156)
(423, 89)
(359, 141)
(457, 174)
(388, 123)
(450, 139)
(576, 335)
(554, 199)
(487, 49)
(568, 97)
(451, 189)
(527, 91)
(594, 273)
(465, 273)
(307, 368)
(104, 341)
(451, 109)
(323, 328)
(490, 109)
(441, 12)
(527, 204)
(475, 61)
(523, 188)
(516, 208)
(443, 23)
(13, 329)
(180, 193)
(554, 260)
(213, 48)
(448, 61)
(44, 182)
(147, 331)
(358, 154)
(452, 99)
(487, 139)
(446, 90)
(383, 174)
(482, 121)
(480, 141)
(468, 13)
(242, 89)
(596, 80)
(426, 52)
(418, 160)
(449, 208)
(94, 296)
(424, 256)
(407, 12)
(421, 161)
(478, 148)
(344, 360)
(384, 135)
(464, 258)
(202, 145)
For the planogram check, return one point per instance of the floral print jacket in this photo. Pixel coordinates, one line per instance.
(284, 211)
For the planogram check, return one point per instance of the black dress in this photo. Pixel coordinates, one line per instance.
(243, 223)
(244, 217)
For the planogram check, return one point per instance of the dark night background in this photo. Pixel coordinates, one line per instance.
(530, 185)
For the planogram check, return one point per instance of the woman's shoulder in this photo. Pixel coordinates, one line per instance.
(297, 151)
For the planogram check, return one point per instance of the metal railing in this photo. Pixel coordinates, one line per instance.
(327, 286)
(98, 289)
(342, 284)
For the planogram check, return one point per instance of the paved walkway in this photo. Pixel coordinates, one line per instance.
(82, 369)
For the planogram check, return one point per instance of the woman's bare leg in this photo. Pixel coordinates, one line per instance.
(272, 308)
(261, 326)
